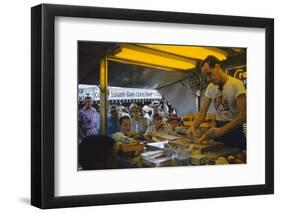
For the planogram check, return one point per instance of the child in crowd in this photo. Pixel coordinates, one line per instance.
(158, 126)
(174, 123)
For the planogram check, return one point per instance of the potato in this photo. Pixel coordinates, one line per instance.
(221, 160)
(231, 159)
(238, 161)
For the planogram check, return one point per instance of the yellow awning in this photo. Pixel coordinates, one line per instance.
(194, 52)
(167, 57)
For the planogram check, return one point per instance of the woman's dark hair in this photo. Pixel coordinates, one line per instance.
(96, 152)
(211, 60)
(121, 119)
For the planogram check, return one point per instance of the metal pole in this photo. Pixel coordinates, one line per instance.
(103, 95)
(198, 100)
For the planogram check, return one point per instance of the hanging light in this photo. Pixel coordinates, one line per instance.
(141, 55)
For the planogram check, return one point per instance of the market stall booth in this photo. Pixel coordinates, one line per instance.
(122, 72)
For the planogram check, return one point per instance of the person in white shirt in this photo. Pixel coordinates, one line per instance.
(145, 111)
(229, 97)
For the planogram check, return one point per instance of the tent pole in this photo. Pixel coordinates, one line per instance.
(198, 100)
(198, 103)
(103, 95)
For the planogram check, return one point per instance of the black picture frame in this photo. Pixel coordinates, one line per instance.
(43, 102)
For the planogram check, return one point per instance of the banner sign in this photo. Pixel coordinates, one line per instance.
(118, 93)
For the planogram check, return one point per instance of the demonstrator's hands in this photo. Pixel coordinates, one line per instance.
(210, 134)
(191, 132)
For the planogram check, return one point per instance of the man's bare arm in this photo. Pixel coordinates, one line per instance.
(202, 113)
